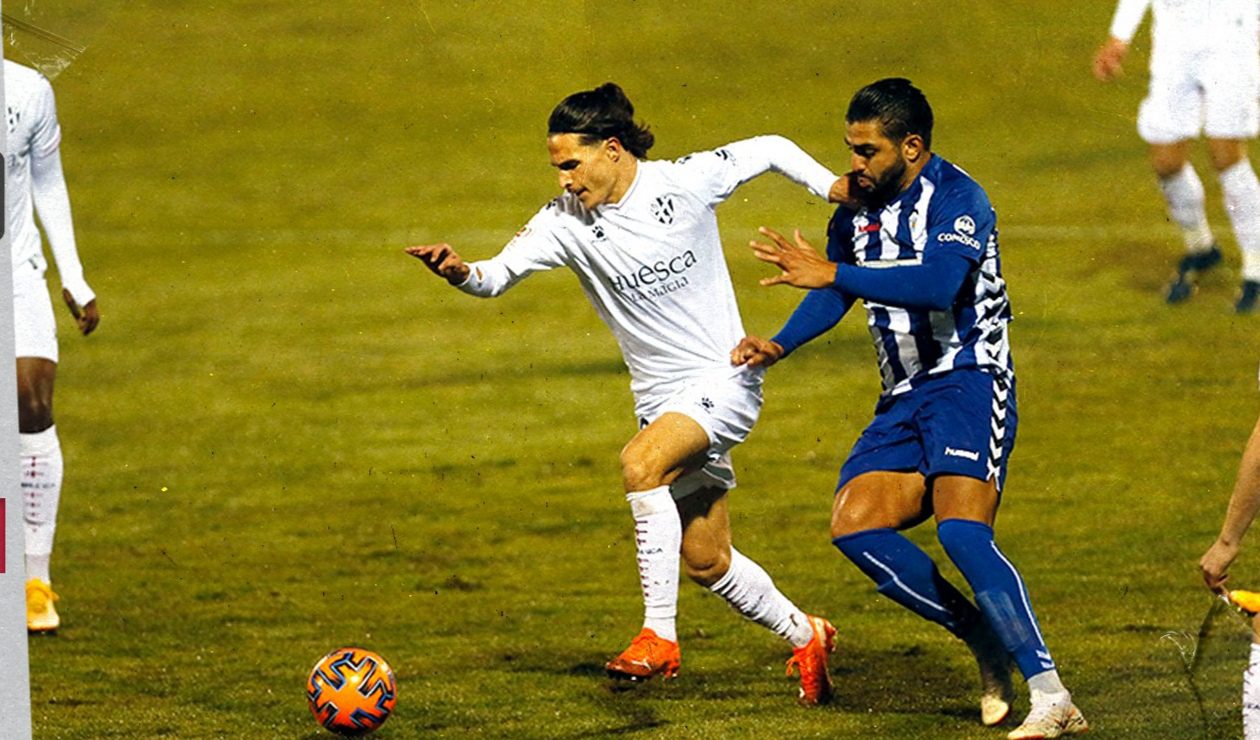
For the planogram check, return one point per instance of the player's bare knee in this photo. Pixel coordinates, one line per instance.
(851, 515)
(706, 567)
(34, 413)
(638, 474)
(1167, 161)
(1226, 153)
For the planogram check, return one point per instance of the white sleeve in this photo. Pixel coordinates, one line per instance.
(715, 174)
(1128, 17)
(534, 248)
(52, 199)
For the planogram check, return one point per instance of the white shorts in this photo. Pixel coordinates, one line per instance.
(726, 405)
(34, 328)
(1212, 95)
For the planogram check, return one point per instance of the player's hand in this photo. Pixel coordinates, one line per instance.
(756, 352)
(87, 317)
(800, 264)
(442, 260)
(845, 192)
(1215, 564)
(1108, 59)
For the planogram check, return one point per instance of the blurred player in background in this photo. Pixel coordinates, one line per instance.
(1205, 78)
(34, 184)
(1243, 506)
(643, 239)
(918, 245)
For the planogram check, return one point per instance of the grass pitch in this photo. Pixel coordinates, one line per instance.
(287, 436)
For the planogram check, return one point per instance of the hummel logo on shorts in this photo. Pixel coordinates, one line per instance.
(975, 456)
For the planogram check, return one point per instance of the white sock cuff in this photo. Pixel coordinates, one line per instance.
(39, 443)
(733, 573)
(652, 501)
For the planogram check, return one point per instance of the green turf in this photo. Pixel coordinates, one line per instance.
(288, 437)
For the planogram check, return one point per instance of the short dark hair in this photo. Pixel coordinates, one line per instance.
(900, 107)
(599, 114)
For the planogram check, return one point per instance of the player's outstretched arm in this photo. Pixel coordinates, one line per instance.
(1244, 504)
(799, 264)
(443, 260)
(1109, 59)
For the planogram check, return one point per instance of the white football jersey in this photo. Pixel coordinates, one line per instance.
(33, 139)
(33, 131)
(652, 264)
(1186, 27)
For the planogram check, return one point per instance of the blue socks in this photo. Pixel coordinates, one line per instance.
(999, 590)
(906, 574)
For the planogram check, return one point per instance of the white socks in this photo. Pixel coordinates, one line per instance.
(658, 538)
(750, 591)
(1251, 696)
(1242, 201)
(40, 477)
(1184, 194)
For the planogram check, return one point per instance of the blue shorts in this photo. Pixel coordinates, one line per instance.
(959, 423)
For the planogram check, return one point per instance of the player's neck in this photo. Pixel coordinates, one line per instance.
(913, 170)
(627, 170)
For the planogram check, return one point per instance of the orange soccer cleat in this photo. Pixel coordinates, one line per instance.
(648, 655)
(811, 661)
(1248, 601)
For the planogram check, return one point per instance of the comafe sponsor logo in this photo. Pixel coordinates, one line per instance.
(657, 272)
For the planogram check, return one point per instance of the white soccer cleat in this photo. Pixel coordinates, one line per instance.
(1051, 719)
(996, 689)
(41, 614)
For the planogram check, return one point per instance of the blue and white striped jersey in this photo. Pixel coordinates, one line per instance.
(944, 209)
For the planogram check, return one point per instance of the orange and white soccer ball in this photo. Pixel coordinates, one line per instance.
(351, 691)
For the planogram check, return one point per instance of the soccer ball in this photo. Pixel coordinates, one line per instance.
(351, 691)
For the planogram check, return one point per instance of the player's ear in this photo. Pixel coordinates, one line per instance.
(613, 148)
(912, 149)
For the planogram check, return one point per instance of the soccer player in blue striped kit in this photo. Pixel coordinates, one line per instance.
(916, 242)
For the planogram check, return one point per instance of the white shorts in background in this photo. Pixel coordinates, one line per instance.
(34, 328)
(726, 405)
(1217, 96)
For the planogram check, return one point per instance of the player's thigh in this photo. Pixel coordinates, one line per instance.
(962, 497)
(968, 423)
(706, 543)
(879, 500)
(663, 450)
(692, 430)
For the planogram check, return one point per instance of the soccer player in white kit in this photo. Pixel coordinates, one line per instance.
(642, 238)
(1244, 504)
(1205, 79)
(34, 183)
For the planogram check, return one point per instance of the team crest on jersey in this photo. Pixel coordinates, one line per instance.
(663, 209)
(598, 232)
